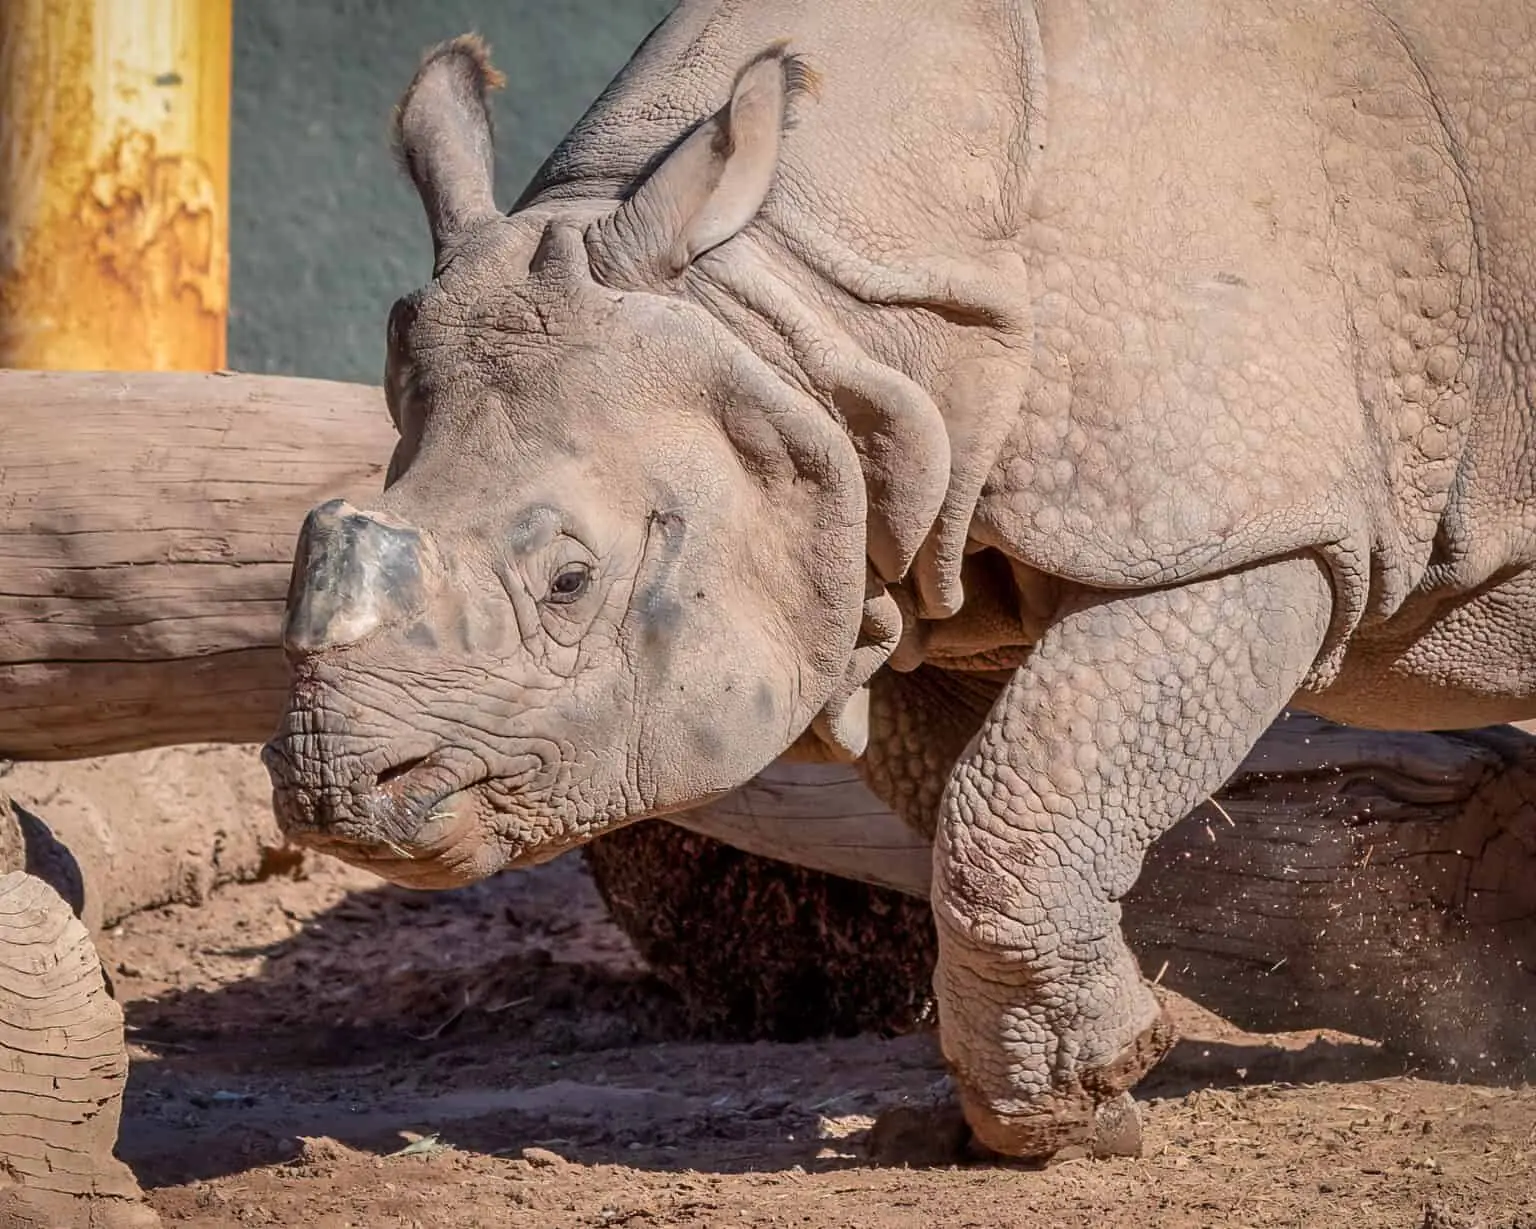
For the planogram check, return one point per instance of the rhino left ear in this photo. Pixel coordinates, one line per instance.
(710, 186)
(443, 137)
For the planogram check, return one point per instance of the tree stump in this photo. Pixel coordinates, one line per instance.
(63, 1067)
(1382, 884)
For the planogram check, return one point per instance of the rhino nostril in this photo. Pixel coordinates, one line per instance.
(399, 770)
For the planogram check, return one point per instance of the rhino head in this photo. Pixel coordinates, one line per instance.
(619, 563)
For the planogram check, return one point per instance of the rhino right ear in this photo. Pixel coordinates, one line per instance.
(711, 185)
(442, 136)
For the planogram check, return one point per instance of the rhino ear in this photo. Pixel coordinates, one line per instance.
(710, 186)
(443, 135)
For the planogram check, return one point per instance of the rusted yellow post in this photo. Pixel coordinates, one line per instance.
(114, 183)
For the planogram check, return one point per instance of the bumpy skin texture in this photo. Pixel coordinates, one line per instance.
(1157, 362)
(919, 725)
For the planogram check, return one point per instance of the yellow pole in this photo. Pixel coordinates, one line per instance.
(114, 183)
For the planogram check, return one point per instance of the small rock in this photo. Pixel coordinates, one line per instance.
(1117, 1127)
(542, 1158)
(1438, 1216)
(322, 1150)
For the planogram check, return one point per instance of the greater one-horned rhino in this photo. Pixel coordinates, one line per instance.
(1140, 366)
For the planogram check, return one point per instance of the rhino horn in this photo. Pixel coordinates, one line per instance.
(353, 574)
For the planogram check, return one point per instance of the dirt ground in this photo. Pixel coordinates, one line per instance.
(328, 1052)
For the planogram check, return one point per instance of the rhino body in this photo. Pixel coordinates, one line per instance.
(1024, 401)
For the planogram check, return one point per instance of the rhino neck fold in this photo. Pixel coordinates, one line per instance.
(946, 339)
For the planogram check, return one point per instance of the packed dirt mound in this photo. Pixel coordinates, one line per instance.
(151, 828)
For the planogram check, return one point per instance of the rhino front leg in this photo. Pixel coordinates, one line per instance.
(1131, 711)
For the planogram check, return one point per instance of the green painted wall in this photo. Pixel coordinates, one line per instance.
(325, 232)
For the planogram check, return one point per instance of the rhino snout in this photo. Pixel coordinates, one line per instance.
(412, 822)
(353, 573)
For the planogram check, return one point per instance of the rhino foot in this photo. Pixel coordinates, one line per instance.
(934, 1136)
(1065, 1126)
(1097, 1118)
(1101, 1119)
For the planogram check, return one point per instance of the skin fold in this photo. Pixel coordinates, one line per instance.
(1023, 401)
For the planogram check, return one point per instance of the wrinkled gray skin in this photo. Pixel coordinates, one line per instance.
(1146, 364)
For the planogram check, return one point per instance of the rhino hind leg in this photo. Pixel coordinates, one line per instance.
(1131, 711)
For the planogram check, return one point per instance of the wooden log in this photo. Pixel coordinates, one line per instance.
(1382, 884)
(147, 526)
(819, 816)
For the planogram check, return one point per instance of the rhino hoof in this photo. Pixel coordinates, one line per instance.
(934, 1132)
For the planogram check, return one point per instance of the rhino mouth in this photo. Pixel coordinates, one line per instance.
(416, 822)
(449, 849)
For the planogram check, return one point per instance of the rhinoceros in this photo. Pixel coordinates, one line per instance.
(1137, 368)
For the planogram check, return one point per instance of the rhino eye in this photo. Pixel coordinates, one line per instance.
(570, 583)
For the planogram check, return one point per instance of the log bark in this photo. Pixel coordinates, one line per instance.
(61, 1084)
(147, 526)
(1382, 884)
